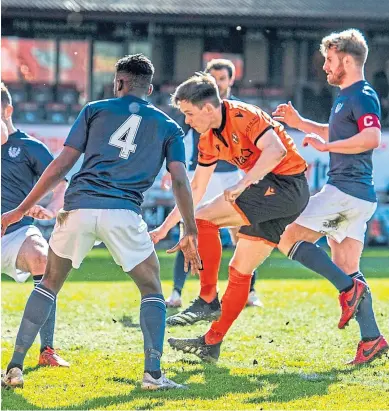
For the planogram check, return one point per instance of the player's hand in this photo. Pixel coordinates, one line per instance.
(232, 193)
(287, 114)
(166, 182)
(9, 218)
(158, 234)
(316, 142)
(188, 246)
(40, 213)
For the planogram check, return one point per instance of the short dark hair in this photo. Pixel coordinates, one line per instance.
(220, 64)
(6, 99)
(197, 90)
(138, 68)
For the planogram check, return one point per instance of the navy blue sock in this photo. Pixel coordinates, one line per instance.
(37, 311)
(313, 257)
(179, 273)
(253, 279)
(47, 331)
(152, 323)
(365, 314)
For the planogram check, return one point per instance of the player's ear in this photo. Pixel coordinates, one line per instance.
(8, 111)
(150, 90)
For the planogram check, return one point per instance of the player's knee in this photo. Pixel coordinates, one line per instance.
(37, 263)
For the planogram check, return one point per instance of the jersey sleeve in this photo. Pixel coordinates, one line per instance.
(78, 135)
(40, 157)
(174, 147)
(257, 126)
(207, 154)
(366, 110)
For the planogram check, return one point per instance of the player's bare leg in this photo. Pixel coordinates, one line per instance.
(248, 255)
(372, 345)
(38, 309)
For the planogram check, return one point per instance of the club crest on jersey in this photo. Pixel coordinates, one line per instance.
(235, 138)
(13, 152)
(338, 107)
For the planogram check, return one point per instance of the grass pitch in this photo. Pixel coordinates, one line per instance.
(288, 355)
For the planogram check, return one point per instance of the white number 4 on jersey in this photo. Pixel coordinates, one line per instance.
(124, 136)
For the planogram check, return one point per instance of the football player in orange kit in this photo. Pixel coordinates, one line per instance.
(271, 195)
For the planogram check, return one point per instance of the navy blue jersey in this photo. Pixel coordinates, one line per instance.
(125, 141)
(23, 160)
(356, 108)
(222, 166)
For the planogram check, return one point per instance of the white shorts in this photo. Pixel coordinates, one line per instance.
(123, 232)
(337, 214)
(10, 246)
(218, 183)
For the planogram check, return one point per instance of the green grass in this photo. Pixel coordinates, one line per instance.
(298, 350)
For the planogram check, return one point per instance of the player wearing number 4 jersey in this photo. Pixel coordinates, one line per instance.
(125, 141)
(342, 208)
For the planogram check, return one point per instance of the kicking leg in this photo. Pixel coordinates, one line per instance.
(297, 243)
(248, 255)
(209, 217)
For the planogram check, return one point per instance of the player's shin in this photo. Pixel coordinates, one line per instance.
(37, 311)
(152, 322)
(210, 250)
(47, 330)
(365, 314)
(233, 302)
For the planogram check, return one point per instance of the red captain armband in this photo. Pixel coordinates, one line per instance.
(367, 121)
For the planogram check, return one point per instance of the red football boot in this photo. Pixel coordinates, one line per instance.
(50, 358)
(368, 351)
(350, 300)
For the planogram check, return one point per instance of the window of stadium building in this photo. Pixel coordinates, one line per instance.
(27, 60)
(105, 55)
(74, 67)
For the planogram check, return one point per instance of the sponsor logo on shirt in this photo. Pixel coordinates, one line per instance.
(235, 138)
(13, 152)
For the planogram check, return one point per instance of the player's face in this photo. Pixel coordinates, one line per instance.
(6, 112)
(334, 67)
(223, 81)
(198, 118)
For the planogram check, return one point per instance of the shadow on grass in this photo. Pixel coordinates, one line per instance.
(218, 382)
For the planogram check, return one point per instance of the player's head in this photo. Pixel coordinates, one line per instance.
(134, 74)
(223, 71)
(345, 54)
(199, 100)
(6, 104)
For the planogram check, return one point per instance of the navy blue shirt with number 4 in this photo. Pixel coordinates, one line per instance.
(125, 141)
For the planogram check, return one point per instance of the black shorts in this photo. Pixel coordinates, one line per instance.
(270, 205)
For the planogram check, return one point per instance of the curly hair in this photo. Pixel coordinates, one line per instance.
(349, 41)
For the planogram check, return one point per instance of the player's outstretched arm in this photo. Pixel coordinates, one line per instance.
(183, 195)
(287, 114)
(50, 178)
(198, 185)
(56, 203)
